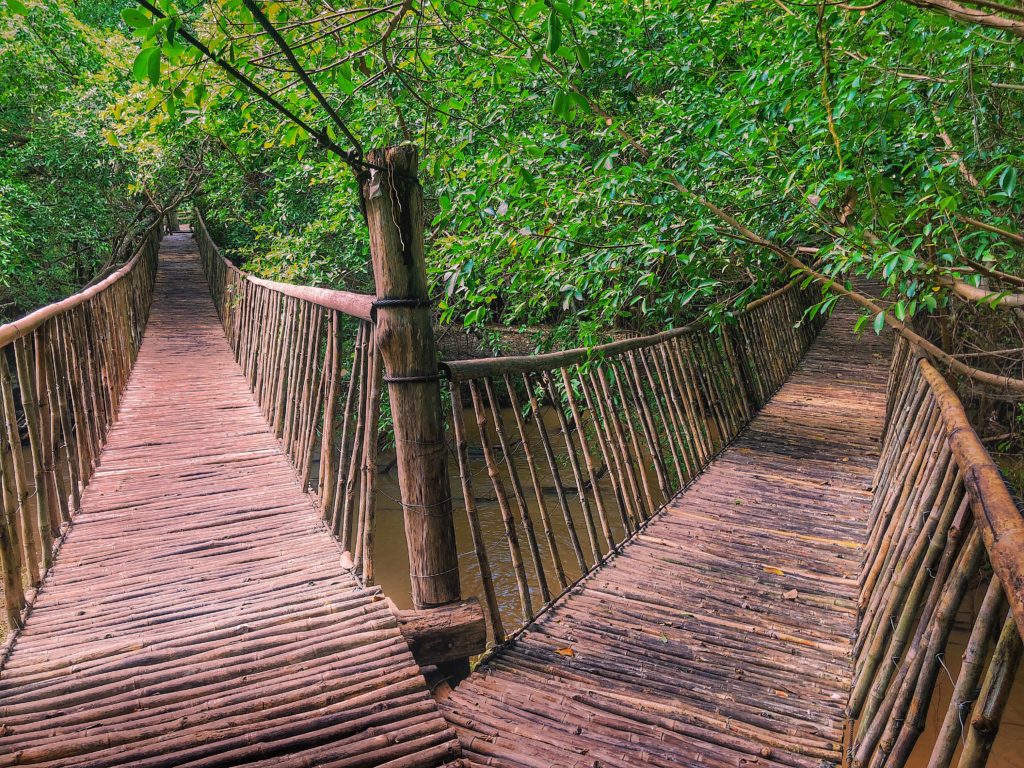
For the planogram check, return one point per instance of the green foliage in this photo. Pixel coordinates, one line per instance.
(552, 133)
(555, 137)
(65, 192)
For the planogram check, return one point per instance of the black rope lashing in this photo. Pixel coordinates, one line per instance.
(411, 303)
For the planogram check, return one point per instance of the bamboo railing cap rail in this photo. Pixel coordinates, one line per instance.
(22, 327)
(462, 370)
(1001, 523)
(358, 305)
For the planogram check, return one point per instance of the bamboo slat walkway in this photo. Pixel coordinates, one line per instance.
(722, 635)
(197, 614)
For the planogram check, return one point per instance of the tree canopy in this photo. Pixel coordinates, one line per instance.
(588, 166)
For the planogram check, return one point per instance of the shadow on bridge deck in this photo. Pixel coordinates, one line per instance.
(197, 613)
(722, 635)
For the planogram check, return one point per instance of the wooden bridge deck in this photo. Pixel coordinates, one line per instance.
(722, 635)
(197, 614)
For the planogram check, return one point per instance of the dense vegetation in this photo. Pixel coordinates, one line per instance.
(588, 165)
(66, 195)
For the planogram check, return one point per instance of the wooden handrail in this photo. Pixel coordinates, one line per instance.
(60, 387)
(1001, 523)
(940, 509)
(18, 329)
(355, 304)
(464, 370)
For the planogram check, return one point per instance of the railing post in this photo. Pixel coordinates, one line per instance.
(394, 213)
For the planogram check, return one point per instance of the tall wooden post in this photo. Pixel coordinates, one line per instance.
(405, 337)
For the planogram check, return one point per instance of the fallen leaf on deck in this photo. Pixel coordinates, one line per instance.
(791, 595)
(565, 652)
(773, 569)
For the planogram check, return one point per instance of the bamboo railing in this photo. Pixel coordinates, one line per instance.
(946, 548)
(581, 448)
(312, 363)
(62, 372)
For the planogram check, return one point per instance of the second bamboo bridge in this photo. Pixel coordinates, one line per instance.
(748, 547)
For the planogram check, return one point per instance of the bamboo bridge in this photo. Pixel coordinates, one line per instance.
(737, 548)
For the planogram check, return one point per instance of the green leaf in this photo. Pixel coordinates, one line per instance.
(583, 57)
(560, 105)
(879, 322)
(18, 7)
(133, 17)
(1008, 181)
(153, 67)
(140, 69)
(554, 33)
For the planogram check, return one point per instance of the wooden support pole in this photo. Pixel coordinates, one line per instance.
(405, 337)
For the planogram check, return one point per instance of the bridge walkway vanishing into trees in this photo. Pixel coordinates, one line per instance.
(722, 635)
(738, 565)
(197, 613)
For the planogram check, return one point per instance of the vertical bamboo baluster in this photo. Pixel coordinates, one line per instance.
(938, 559)
(325, 479)
(308, 378)
(616, 443)
(279, 368)
(604, 441)
(517, 491)
(884, 690)
(549, 454)
(705, 385)
(314, 398)
(65, 411)
(315, 403)
(93, 406)
(33, 422)
(992, 608)
(75, 379)
(879, 548)
(896, 454)
(878, 617)
(729, 394)
(28, 523)
(352, 476)
(469, 502)
(993, 696)
(702, 393)
(663, 426)
(936, 485)
(574, 464)
(299, 389)
(296, 361)
(371, 429)
(264, 349)
(633, 385)
(923, 658)
(511, 537)
(351, 398)
(47, 396)
(10, 546)
(538, 491)
(687, 399)
(743, 387)
(309, 433)
(640, 481)
(676, 413)
(750, 357)
(257, 341)
(592, 474)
